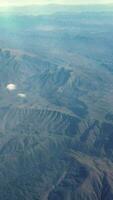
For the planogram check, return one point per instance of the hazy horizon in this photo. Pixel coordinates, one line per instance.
(46, 2)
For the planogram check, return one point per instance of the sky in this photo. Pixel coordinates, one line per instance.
(42, 2)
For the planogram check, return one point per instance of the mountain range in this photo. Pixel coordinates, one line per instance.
(56, 111)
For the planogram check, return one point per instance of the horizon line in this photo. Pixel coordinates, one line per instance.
(56, 4)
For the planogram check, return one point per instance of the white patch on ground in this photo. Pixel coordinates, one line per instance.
(22, 95)
(11, 87)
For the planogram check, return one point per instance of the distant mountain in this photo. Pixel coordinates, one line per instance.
(54, 8)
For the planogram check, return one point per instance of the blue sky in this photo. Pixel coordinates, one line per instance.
(27, 2)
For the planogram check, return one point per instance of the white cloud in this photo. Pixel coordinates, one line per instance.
(22, 95)
(11, 87)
